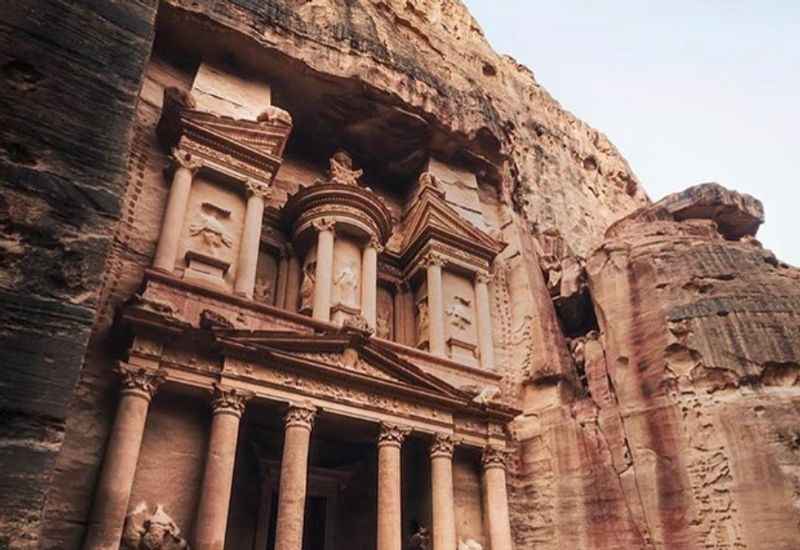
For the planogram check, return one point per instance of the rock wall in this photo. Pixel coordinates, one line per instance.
(687, 437)
(70, 74)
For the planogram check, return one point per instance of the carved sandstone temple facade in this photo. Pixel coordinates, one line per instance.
(334, 275)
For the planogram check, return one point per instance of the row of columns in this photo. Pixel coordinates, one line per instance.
(228, 404)
(185, 168)
(323, 276)
(433, 264)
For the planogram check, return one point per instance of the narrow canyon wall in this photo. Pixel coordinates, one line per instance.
(70, 75)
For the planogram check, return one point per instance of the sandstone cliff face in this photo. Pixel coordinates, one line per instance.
(688, 435)
(70, 74)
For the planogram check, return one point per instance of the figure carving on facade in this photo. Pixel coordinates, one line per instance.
(156, 531)
(341, 170)
(346, 283)
(209, 228)
(383, 327)
(307, 287)
(263, 291)
(423, 322)
(459, 313)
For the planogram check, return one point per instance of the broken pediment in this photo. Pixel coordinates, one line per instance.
(431, 217)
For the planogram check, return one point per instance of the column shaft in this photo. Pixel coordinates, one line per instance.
(172, 224)
(436, 308)
(390, 509)
(248, 248)
(293, 281)
(323, 280)
(496, 501)
(485, 336)
(399, 328)
(283, 278)
(369, 283)
(215, 496)
(119, 465)
(294, 479)
(442, 495)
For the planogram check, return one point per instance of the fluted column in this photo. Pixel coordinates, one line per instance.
(212, 512)
(299, 421)
(495, 503)
(369, 281)
(251, 239)
(323, 280)
(442, 497)
(293, 280)
(122, 453)
(283, 279)
(485, 336)
(436, 335)
(390, 510)
(177, 201)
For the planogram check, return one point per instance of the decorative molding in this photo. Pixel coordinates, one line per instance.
(392, 434)
(139, 381)
(443, 445)
(229, 400)
(300, 415)
(493, 457)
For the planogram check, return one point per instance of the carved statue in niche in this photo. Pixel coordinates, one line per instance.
(209, 228)
(146, 531)
(346, 284)
(307, 287)
(263, 291)
(383, 323)
(459, 313)
(423, 322)
(341, 169)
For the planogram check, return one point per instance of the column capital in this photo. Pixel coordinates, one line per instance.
(139, 381)
(182, 158)
(301, 415)
(432, 259)
(286, 251)
(493, 457)
(375, 243)
(443, 445)
(392, 434)
(257, 188)
(483, 277)
(229, 400)
(324, 224)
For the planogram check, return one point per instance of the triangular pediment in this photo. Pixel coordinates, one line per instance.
(432, 216)
(364, 360)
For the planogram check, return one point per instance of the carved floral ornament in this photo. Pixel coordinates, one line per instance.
(375, 243)
(443, 445)
(181, 158)
(392, 434)
(139, 380)
(493, 457)
(258, 189)
(229, 400)
(300, 415)
(324, 224)
(433, 259)
(483, 277)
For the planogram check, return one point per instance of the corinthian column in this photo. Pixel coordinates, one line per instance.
(323, 280)
(294, 477)
(212, 513)
(485, 339)
(442, 497)
(390, 532)
(177, 200)
(369, 281)
(436, 335)
(251, 239)
(122, 453)
(495, 498)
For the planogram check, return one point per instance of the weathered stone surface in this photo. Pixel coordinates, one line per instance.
(70, 74)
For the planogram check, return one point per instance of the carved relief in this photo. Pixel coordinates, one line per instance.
(341, 170)
(392, 434)
(300, 415)
(493, 457)
(469, 544)
(307, 287)
(383, 323)
(459, 313)
(208, 229)
(229, 400)
(264, 291)
(346, 285)
(139, 380)
(151, 531)
(423, 323)
(443, 445)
